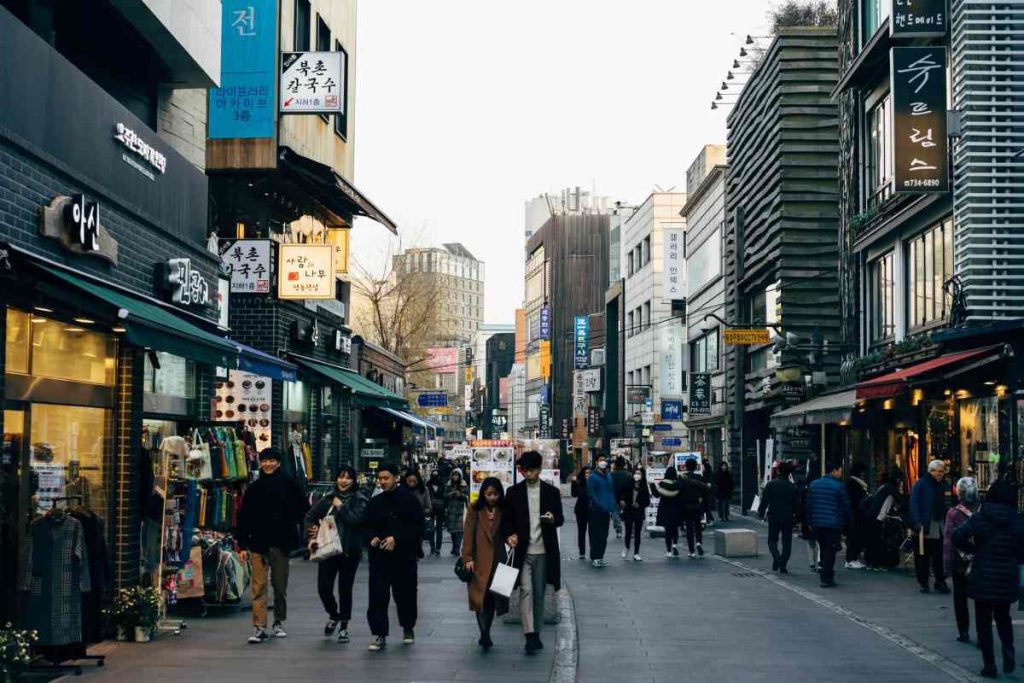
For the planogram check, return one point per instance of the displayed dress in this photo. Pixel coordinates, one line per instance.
(56, 575)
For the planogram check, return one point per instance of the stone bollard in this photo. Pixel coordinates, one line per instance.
(735, 543)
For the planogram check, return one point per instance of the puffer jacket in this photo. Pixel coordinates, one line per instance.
(349, 518)
(995, 537)
(828, 504)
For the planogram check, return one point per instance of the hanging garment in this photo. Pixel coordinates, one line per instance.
(100, 574)
(56, 575)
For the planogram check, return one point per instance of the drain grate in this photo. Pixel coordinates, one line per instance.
(746, 575)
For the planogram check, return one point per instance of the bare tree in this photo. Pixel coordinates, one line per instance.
(803, 13)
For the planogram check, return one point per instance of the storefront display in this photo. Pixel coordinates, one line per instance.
(245, 398)
(490, 462)
(979, 439)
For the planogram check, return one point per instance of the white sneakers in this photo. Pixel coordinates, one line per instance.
(259, 635)
(279, 631)
(856, 564)
(637, 558)
(625, 553)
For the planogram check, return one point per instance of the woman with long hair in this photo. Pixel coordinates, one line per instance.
(669, 511)
(481, 554)
(456, 499)
(414, 483)
(633, 502)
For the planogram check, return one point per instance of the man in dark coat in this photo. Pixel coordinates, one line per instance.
(779, 502)
(828, 509)
(533, 513)
(995, 538)
(928, 519)
(394, 520)
(857, 491)
(269, 520)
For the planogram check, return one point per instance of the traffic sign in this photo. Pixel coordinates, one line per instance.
(735, 336)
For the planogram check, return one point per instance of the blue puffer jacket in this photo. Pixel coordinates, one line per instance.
(926, 497)
(601, 491)
(828, 504)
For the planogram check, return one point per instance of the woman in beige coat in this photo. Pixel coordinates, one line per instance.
(481, 555)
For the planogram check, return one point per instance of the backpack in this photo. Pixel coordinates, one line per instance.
(691, 496)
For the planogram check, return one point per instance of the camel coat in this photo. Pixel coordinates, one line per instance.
(481, 544)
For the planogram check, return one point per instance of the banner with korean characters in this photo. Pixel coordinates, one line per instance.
(918, 18)
(673, 257)
(700, 393)
(581, 335)
(490, 462)
(920, 143)
(311, 82)
(305, 271)
(247, 264)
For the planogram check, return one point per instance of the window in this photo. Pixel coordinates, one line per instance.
(174, 377)
(629, 377)
(647, 374)
(929, 265)
(48, 348)
(883, 298)
(69, 445)
(302, 25)
(873, 14)
(647, 313)
(879, 171)
(646, 250)
(704, 352)
(323, 35)
(629, 329)
(341, 118)
(705, 263)
(629, 263)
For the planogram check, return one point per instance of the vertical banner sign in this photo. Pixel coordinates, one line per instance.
(305, 271)
(579, 394)
(566, 430)
(243, 105)
(918, 18)
(582, 336)
(545, 421)
(545, 323)
(920, 145)
(672, 264)
(671, 356)
(700, 393)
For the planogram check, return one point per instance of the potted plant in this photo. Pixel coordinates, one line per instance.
(135, 613)
(15, 651)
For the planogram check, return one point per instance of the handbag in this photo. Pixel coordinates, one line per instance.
(198, 464)
(465, 576)
(505, 575)
(190, 576)
(328, 540)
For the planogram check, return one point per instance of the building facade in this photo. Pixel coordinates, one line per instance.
(457, 278)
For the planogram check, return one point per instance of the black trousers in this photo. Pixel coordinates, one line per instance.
(984, 612)
(581, 530)
(855, 540)
(392, 577)
(963, 612)
(599, 521)
(691, 521)
(932, 557)
(785, 529)
(828, 546)
(634, 529)
(340, 569)
(671, 536)
(723, 508)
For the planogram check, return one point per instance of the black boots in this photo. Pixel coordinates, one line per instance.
(533, 643)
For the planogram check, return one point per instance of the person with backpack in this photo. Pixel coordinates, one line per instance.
(633, 502)
(669, 515)
(956, 562)
(779, 504)
(692, 492)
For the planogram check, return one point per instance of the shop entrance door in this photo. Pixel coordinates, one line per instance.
(14, 510)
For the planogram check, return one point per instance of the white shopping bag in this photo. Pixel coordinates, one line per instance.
(505, 576)
(328, 541)
(755, 504)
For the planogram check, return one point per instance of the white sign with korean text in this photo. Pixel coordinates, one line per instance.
(591, 380)
(579, 396)
(311, 82)
(673, 258)
(247, 264)
(305, 271)
(671, 357)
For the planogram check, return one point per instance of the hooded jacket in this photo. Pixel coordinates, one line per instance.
(601, 490)
(995, 537)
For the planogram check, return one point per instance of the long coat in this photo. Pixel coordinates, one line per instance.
(516, 520)
(56, 575)
(670, 514)
(456, 500)
(480, 545)
(995, 536)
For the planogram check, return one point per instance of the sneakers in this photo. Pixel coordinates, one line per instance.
(599, 563)
(856, 564)
(343, 636)
(675, 550)
(408, 637)
(700, 549)
(378, 644)
(279, 631)
(670, 554)
(259, 634)
(691, 555)
(637, 558)
(329, 628)
(625, 553)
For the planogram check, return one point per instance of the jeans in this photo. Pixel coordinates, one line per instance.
(691, 520)
(828, 545)
(581, 530)
(963, 612)
(456, 542)
(340, 569)
(599, 521)
(276, 563)
(785, 529)
(437, 536)
(984, 612)
(634, 529)
(617, 521)
(723, 508)
(932, 556)
(393, 576)
(532, 584)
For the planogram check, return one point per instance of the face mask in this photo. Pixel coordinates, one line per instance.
(637, 477)
(601, 465)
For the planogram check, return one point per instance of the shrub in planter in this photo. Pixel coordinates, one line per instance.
(135, 608)
(15, 650)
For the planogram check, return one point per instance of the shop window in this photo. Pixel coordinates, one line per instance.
(341, 118)
(296, 399)
(979, 439)
(175, 376)
(879, 171)
(58, 350)
(18, 338)
(929, 265)
(883, 298)
(704, 352)
(873, 13)
(68, 456)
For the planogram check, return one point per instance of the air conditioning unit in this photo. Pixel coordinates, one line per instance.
(597, 356)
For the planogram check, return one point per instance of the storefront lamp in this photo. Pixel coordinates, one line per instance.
(338, 237)
(42, 309)
(1001, 390)
(916, 397)
(990, 383)
(38, 321)
(81, 320)
(947, 392)
(119, 329)
(963, 393)
(240, 230)
(887, 404)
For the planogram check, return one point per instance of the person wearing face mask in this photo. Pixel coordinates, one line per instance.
(272, 510)
(348, 507)
(633, 502)
(601, 490)
(481, 553)
(456, 499)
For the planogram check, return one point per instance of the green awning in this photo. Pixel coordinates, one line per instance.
(364, 392)
(152, 326)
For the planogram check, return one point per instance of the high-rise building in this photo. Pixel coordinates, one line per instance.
(571, 201)
(458, 283)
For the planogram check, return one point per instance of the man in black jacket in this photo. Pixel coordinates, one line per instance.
(533, 513)
(394, 519)
(779, 500)
(268, 527)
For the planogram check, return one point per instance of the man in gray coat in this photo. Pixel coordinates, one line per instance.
(779, 502)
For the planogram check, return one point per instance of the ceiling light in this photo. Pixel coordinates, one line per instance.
(119, 329)
(41, 309)
(990, 383)
(39, 321)
(74, 329)
(82, 320)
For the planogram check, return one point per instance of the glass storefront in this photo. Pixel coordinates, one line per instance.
(51, 349)
(979, 439)
(68, 456)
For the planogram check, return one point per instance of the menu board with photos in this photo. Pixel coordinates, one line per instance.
(490, 462)
(245, 397)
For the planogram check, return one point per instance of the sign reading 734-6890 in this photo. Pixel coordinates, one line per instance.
(311, 82)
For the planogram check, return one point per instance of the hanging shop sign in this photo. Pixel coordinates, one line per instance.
(918, 18)
(223, 302)
(245, 397)
(545, 323)
(582, 336)
(734, 336)
(306, 333)
(670, 343)
(566, 432)
(638, 394)
(594, 421)
(579, 396)
(672, 259)
(186, 285)
(920, 144)
(591, 380)
(499, 419)
(671, 410)
(139, 154)
(700, 393)
(243, 105)
(545, 421)
(305, 271)
(342, 342)
(247, 264)
(75, 222)
(311, 82)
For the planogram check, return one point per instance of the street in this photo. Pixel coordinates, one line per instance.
(657, 620)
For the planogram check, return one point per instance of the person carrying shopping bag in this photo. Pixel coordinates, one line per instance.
(481, 551)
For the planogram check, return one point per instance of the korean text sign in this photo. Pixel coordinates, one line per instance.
(305, 271)
(243, 105)
(918, 18)
(311, 82)
(582, 341)
(673, 258)
(920, 145)
(247, 265)
(700, 393)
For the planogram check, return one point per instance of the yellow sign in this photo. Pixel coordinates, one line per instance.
(545, 359)
(742, 337)
(305, 271)
(469, 374)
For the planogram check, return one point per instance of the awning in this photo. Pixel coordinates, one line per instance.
(259, 363)
(364, 392)
(827, 409)
(149, 324)
(897, 382)
(331, 189)
(408, 418)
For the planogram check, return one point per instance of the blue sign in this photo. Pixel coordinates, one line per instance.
(672, 441)
(437, 399)
(244, 105)
(672, 411)
(545, 323)
(662, 427)
(582, 336)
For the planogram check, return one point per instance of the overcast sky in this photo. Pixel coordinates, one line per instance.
(467, 108)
